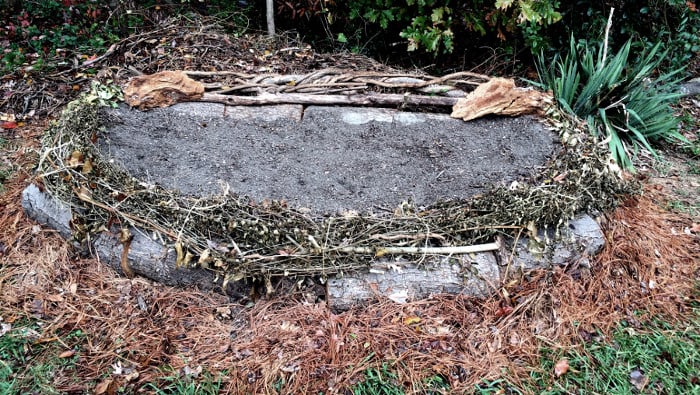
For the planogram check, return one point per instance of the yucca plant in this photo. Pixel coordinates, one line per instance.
(628, 105)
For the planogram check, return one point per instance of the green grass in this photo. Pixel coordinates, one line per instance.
(173, 383)
(683, 207)
(378, 381)
(663, 359)
(30, 367)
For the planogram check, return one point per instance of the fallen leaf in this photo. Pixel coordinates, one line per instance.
(561, 367)
(638, 380)
(87, 166)
(189, 372)
(695, 228)
(103, 387)
(287, 326)
(76, 159)
(66, 354)
(411, 320)
(290, 368)
(7, 117)
(55, 298)
(9, 125)
(503, 311)
(399, 297)
(131, 376)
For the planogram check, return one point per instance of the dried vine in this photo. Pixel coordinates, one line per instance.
(336, 81)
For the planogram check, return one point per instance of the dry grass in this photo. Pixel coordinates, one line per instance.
(647, 269)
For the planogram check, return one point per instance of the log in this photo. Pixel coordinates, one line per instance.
(369, 99)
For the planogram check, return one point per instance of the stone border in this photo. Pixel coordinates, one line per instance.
(476, 274)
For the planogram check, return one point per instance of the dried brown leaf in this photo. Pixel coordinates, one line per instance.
(561, 367)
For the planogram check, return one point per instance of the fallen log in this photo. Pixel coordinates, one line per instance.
(331, 100)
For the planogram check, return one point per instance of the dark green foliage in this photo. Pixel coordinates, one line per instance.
(675, 23)
(59, 31)
(626, 104)
(434, 25)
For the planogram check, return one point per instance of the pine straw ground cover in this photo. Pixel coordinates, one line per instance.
(131, 330)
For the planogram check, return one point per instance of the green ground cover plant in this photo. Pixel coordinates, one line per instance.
(44, 34)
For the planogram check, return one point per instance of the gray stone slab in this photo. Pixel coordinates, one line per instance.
(401, 281)
(330, 159)
(576, 241)
(46, 210)
(690, 88)
(147, 257)
(152, 259)
(472, 274)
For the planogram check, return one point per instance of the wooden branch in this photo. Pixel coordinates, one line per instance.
(197, 73)
(381, 251)
(370, 99)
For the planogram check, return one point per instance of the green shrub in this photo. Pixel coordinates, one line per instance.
(430, 25)
(627, 105)
(53, 30)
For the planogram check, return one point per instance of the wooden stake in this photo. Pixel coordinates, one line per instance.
(270, 11)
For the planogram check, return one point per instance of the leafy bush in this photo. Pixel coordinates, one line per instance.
(56, 30)
(625, 104)
(430, 24)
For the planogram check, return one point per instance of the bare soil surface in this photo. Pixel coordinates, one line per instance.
(325, 159)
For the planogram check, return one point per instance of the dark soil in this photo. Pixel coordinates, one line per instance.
(334, 159)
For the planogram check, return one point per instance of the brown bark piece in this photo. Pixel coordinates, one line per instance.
(162, 90)
(500, 96)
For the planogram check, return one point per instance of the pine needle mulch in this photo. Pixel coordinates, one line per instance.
(135, 330)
